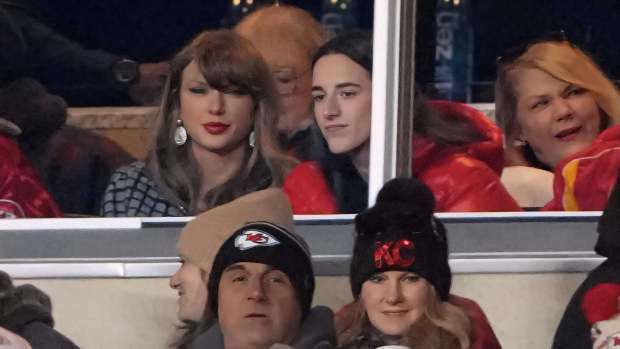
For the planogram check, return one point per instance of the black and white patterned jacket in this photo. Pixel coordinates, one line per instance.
(131, 193)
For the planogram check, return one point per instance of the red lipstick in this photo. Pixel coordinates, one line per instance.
(215, 128)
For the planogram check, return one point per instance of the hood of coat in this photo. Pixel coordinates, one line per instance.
(608, 243)
(316, 332)
(25, 314)
(489, 150)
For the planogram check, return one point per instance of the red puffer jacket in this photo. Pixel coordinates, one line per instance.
(584, 181)
(462, 178)
(21, 192)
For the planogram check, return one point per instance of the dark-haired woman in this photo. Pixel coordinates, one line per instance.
(457, 151)
(215, 134)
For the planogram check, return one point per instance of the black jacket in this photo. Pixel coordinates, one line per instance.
(316, 332)
(574, 329)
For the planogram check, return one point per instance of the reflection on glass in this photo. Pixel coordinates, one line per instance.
(453, 50)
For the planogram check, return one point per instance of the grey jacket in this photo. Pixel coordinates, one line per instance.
(316, 332)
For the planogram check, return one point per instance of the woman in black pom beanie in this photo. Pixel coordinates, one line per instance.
(400, 277)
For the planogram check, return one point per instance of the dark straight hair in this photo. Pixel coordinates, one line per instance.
(357, 45)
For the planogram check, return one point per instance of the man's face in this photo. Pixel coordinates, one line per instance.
(190, 282)
(257, 306)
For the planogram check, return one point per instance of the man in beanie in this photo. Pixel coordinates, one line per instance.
(596, 299)
(261, 282)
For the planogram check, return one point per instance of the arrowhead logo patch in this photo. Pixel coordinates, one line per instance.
(254, 238)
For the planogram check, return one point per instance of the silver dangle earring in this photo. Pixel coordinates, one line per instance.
(252, 139)
(180, 133)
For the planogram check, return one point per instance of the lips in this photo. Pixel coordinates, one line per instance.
(568, 134)
(215, 128)
(335, 127)
(256, 316)
(394, 312)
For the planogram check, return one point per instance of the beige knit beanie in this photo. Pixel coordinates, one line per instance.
(201, 238)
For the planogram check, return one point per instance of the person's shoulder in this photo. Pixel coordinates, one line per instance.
(306, 168)
(308, 190)
(305, 173)
(129, 175)
(133, 168)
(458, 165)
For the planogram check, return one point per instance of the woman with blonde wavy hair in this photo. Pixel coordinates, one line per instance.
(215, 135)
(400, 277)
(555, 105)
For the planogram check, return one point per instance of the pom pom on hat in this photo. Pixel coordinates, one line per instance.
(403, 202)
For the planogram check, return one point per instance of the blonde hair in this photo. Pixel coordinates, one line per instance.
(563, 61)
(443, 326)
(283, 25)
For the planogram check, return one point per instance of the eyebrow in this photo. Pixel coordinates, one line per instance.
(234, 267)
(197, 81)
(338, 86)
(241, 267)
(569, 87)
(347, 84)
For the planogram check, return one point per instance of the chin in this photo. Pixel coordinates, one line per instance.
(394, 331)
(339, 149)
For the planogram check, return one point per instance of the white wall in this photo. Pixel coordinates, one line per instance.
(524, 309)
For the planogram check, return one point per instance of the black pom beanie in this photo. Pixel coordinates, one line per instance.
(266, 243)
(400, 233)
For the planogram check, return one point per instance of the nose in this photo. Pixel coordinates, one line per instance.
(394, 292)
(175, 281)
(332, 107)
(256, 290)
(216, 102)
(562, 110)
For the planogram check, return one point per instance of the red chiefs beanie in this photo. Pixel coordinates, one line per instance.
(401, 233)
(601, 302)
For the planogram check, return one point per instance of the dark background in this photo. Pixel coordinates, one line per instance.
(152, 31)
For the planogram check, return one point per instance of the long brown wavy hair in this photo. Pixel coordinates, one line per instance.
(443, 326)
(229, 63)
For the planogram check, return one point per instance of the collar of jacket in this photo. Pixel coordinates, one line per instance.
(316, 332)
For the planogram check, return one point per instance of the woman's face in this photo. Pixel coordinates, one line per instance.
(192, 288)
(395, 300)
(556, 118)
(216, 121)
(342, 93)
